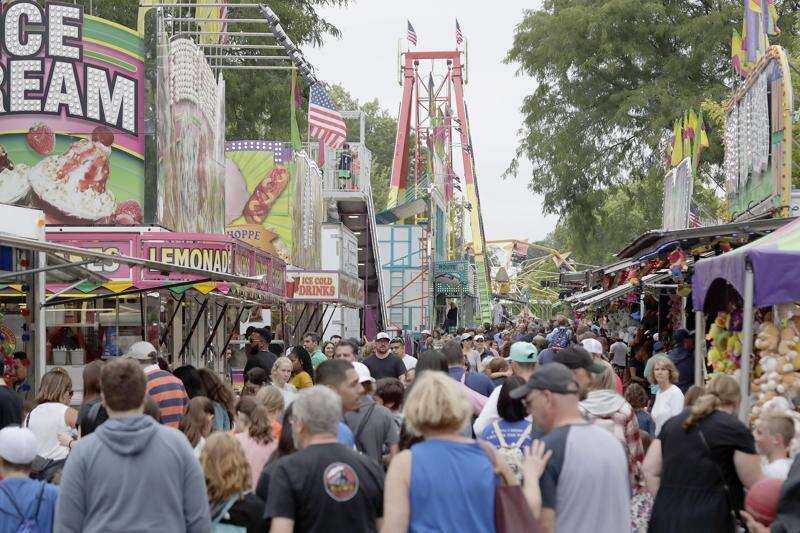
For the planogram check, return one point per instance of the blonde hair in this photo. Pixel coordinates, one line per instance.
(282, 360)
(605, 379)
(271, 397)
(777, 423)
(671, 368)
(55, 383)
(225, 467)
(435, 403)
(722, 391)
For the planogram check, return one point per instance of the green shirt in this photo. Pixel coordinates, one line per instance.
(317, 358)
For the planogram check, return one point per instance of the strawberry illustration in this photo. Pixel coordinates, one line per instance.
(128, 212)
(41, 138)
(103, 135)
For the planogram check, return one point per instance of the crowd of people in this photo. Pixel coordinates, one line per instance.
(561, 425)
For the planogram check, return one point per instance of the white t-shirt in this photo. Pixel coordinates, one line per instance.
(410, 362)
(620, 352)
(778, 469)
(668, 404)
(46, 421)
(289, 393)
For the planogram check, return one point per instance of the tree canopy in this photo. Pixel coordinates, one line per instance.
(611, 77)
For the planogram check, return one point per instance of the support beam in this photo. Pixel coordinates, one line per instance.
(699, 346)
(747, 345)
(214, 329)
(193, 327)
(163, 337)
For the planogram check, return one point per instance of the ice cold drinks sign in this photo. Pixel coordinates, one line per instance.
(43, 70)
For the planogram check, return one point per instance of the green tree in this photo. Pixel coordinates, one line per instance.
(380, 129)
(611, 77)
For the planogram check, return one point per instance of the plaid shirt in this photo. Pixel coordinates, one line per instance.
(623, 424)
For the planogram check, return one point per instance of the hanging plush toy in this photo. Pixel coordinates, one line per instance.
(677, 264)
(633, 276)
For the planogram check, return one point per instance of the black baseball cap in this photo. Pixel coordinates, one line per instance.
(576, 357)
(554, 377)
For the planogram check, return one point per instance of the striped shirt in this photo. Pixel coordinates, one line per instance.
(169, 394)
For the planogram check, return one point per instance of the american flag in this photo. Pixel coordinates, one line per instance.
(459, 35)
(324, 120)
(694, 219)
(411, 35)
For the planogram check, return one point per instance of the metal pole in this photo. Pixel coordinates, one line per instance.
(321, 318)
(163, 338)
(311, 318)
(297, 322)
(322, 333)
(747, 345)
(214, 329)
(193, 327)
(699, 346)
(234, 329)
(141, 315)
(37, 288)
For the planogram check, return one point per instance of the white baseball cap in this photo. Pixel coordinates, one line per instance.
(381, 336)
(363, 372)
(141, 351)
(425, 332)
(17, 445)
(592, 346)
(479, 337)
(465, 336)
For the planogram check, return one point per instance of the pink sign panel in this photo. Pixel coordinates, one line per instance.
(107, 243)
(196, 251)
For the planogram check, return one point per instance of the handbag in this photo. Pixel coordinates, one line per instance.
(725, 487)
(511, 510)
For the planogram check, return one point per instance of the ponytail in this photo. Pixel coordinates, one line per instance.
(723, 390)
(258, 419)
(702, 407)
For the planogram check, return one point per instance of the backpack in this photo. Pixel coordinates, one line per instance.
(512, 452)
(221, 513)
(27, 524)
(560, 338)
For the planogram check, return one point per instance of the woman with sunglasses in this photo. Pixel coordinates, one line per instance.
(51, 417)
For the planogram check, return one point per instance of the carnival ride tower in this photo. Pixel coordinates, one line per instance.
(432, 127)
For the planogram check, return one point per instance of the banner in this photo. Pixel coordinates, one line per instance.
(190, 126)
(72, 134)
(308, 286)
(260, 195)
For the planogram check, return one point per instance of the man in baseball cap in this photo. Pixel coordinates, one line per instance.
(588, 464)
(19, 494)
(522, 357)
(582, 365)
(163, 387)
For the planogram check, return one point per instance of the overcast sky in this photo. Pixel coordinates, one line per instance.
(364, 61)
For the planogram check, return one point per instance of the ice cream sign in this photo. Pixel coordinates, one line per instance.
(71, 102)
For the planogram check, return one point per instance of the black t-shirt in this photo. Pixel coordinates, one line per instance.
(388, 367)
(261, 359)
(691, 490)
(86, 424)
(249, 513)
(326, 488)
(10, 408)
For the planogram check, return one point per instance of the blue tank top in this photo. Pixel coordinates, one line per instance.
(452, 488)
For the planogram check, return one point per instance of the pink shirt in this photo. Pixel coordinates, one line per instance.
(618, 384)
(257, 455)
